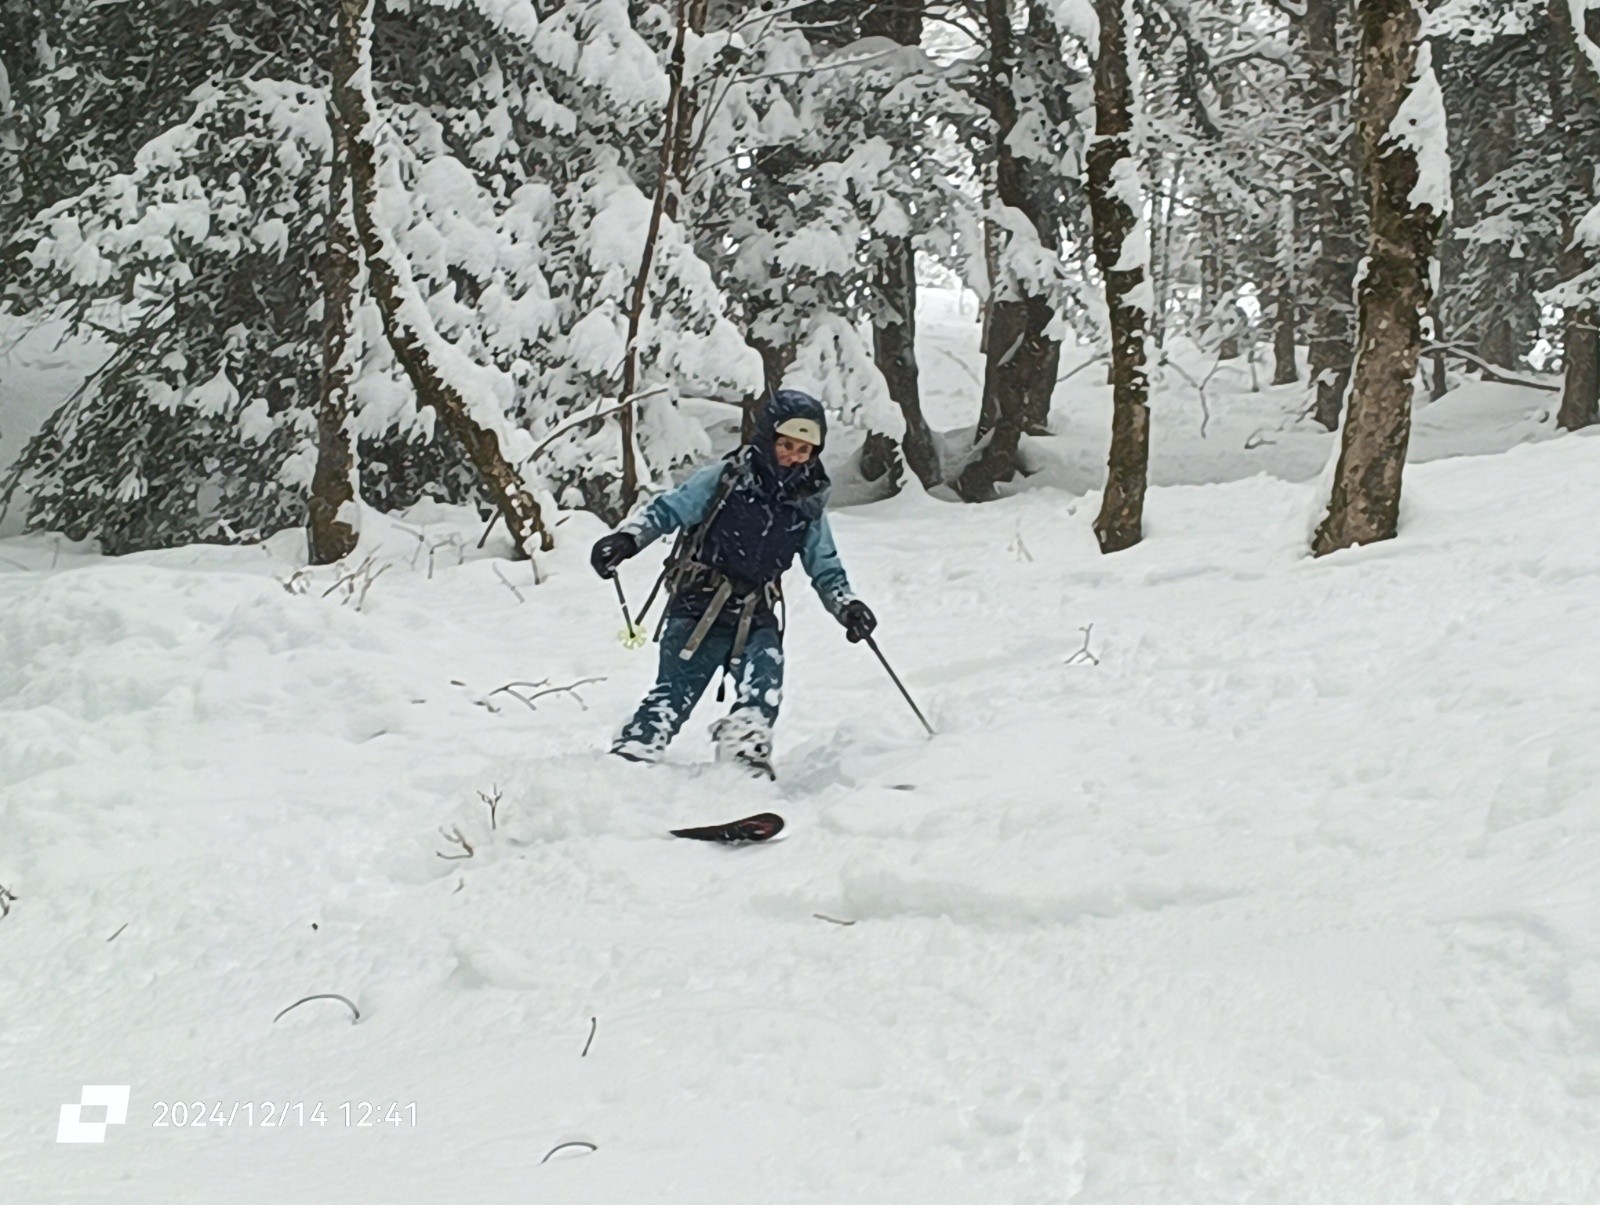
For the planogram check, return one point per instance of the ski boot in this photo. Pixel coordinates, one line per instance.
(745, 741)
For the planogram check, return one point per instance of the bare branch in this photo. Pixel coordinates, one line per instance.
(1489, 371)
(588, 1146)
(510, 688)
(506, 582)
(455, 838)
(1084, 656)
(578, 422)
(493, 803)
(355, 1013)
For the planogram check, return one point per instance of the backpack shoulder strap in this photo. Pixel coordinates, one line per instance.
(686, 547)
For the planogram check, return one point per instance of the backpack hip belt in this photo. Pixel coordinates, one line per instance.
(750, 597)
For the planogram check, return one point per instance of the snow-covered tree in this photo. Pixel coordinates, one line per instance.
(1405, 158)
(1122, 249)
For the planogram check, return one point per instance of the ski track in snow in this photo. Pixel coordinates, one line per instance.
(1292, 897)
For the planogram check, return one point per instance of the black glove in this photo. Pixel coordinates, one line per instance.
(858, 620)
(610, 551)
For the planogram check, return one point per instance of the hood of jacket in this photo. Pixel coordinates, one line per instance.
(797, 481)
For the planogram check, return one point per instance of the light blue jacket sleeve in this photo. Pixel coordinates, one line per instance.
(682, 506)
(820, 559)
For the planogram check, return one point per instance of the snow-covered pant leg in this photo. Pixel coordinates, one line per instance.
(679, 685)
(758, 676)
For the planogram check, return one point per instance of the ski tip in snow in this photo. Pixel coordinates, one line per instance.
(760, 827)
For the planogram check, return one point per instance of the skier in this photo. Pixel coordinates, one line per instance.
(741, 523)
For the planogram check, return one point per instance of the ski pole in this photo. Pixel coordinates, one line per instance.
(631, 636)
(873, 645)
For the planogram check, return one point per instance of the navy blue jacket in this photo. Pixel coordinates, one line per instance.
(770, 515)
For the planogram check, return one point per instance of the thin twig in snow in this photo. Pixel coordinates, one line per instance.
(588, 1146)
(7, 898)
(510, 688)
(1083, 656)
(493, 803)
(118, 933)
(455, 838)
(506, 582)
(594, 1024)
(355, 1013)
(363, 575)
(832, 920)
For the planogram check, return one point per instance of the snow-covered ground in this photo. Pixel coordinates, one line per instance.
(1285, 889)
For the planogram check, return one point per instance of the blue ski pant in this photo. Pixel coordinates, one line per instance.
(757, 679)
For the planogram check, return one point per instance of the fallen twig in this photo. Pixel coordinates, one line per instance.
(594, 1024)
(363, 575)
(1489, 371)
(455, 838)
(118, 933)
(355, 1013)
(506, 582)
(588, 1146)
(1083, 655)
(832, 920)
(493, 802)
(510, 688)
(297, 582)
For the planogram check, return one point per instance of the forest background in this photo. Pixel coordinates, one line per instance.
(543, 256)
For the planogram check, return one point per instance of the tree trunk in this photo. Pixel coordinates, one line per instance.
(688, 113)
(1115, 200)
(1285, 328)
(1019, 357)
(639, 300)
(1395, 290)
(331, 527)
(416, 343)
(894, 329)
(1439, 377)
(1580, 386)
(1578, 98)
(894, 347)
(1329, 202)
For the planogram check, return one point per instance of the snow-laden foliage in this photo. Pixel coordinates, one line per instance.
(813, 154)
(196, 427)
